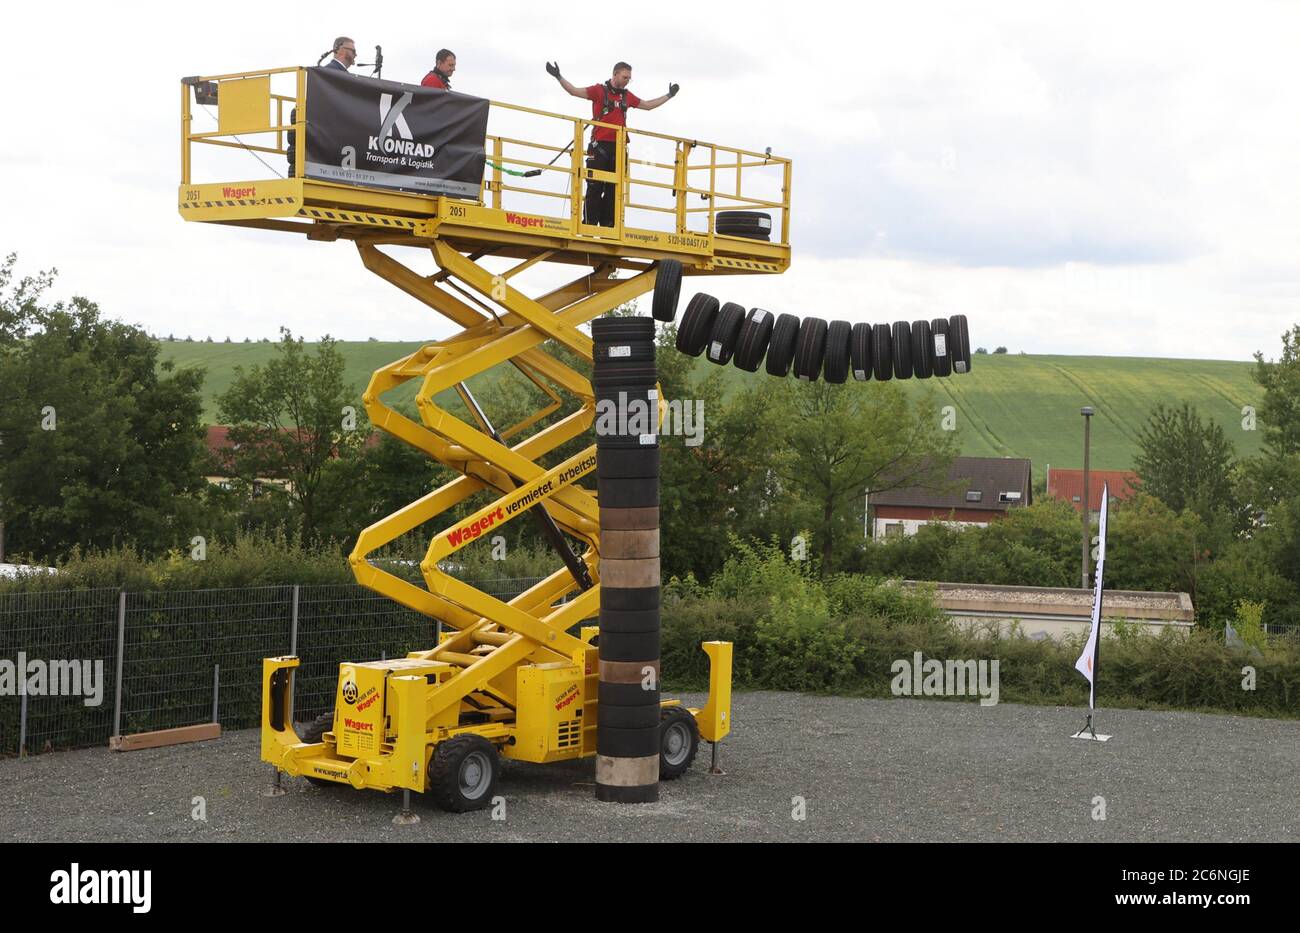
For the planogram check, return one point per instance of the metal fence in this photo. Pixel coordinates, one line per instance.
(161, 660)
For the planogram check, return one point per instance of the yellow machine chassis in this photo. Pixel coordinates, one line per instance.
(508, 671)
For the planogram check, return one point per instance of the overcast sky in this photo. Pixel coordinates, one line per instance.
(1097, 178)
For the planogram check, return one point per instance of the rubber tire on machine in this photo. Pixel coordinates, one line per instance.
(882, 352)
(959, 343)
(755, 333)
(314, 732)
(922, 349)
(811, 349)
(753, 225)
(726, 331)
(780, 349)
(697, 324)
(941, 363)
(449, 760)
(836, 367)
(678, 723)
(902, 341)
(860, 352)
(668, 290)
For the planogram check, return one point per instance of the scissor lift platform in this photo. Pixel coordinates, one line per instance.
(519, 677)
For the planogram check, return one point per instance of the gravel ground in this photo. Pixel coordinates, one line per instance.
(869, 770)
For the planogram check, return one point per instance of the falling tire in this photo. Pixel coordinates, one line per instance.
(902, 340)
(755, 334)
(959, 343)
(882, 353)
(697, 324)
(726, 331)
(941, 358)
(810, 349)
(780, 350)
(860, 352)
(838, 337)
(921, 349)
(668, 289)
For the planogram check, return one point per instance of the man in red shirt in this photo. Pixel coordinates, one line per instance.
(444, 67)
(610, 103)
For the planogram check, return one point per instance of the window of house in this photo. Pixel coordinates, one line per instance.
(1077, 499)
(1009, 497)
(974, 495)
(894, 530)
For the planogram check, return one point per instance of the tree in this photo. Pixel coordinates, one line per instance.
(1279, 412)
(101, 442)
(1186, 462)
(837, 441)
(287, 419)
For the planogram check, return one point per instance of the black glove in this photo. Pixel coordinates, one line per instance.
(553, 69)
(673, 89)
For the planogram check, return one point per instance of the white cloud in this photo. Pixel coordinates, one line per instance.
(1109, 178)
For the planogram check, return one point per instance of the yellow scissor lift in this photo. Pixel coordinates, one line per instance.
(505, 676)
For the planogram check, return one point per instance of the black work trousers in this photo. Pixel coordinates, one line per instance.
(599, 206)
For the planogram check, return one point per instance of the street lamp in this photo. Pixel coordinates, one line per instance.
(1087, 413)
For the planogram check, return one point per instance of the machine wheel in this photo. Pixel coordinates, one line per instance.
(668, 287)
(463, 773)
(679, 740)
(314, 732)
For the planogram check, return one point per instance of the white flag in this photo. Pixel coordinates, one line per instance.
(1085, 663)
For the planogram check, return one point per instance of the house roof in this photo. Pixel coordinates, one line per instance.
(972, 483)
(1067, 485)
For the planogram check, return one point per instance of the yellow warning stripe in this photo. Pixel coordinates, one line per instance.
(247, 202)
(352, 217)
(729, 263)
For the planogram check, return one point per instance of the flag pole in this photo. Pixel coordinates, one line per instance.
(1086, 665)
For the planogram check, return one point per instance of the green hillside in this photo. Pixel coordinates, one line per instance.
(1008, 405)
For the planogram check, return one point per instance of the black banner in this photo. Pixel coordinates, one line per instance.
(386, 134)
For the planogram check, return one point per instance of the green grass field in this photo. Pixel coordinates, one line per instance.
(1008, 405)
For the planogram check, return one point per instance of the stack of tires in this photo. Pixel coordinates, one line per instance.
(627, 470)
